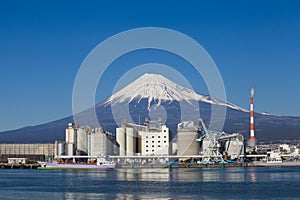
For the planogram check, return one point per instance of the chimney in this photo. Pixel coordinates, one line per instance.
(252, 135)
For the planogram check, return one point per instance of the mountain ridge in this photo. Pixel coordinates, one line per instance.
(157, 87)
(166, 96)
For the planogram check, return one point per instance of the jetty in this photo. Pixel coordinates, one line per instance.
(19, 166)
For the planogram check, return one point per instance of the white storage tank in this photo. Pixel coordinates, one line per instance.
(60, 148)
(71, 135)
(187, 139)
(70, 149)
(98, 144)
(120, 137)
(82, 140)
(174, 147)
(131, 138)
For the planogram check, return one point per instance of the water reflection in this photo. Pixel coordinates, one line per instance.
(167, 175)
(209, 175)
(252, 175)
(144, 174)
(96, 196)
(152, 184)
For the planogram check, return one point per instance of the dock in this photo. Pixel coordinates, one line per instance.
(18, 166)
(206, 165)
(188, 165)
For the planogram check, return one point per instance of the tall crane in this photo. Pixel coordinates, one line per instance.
(216, 144)
(212, 151)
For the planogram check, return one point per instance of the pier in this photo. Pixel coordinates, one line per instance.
(18, 166)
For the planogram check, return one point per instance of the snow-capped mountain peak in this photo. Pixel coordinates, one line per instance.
(157, 87)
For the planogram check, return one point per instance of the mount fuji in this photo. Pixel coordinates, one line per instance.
(152, 96)
(157, 88)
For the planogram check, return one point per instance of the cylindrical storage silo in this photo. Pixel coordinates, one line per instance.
(98, 145)
(130, 142)
(67, 135)
(56, 148)
(71, 135)
(60, 149)
(120, 136)
(109, 146)
(187, 143)
(70, 149)
(82, 140)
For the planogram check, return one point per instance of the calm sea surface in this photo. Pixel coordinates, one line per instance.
(230, 183)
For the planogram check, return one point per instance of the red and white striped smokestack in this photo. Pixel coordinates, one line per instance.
(252, 135)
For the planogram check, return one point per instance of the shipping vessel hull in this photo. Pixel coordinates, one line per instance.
(75, 166)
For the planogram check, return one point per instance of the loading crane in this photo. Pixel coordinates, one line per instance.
(215, 145)
(212, 152)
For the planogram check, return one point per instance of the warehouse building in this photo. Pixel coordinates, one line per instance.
(32, 152)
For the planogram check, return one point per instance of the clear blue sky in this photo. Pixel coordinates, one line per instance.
(42, 45)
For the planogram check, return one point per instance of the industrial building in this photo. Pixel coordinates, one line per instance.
(154, 139)
(187, 144)
(220, 146)
(126, 137)
(84, 141)
(150, 139)
(31, 152)
(197, 143)
(150, 143)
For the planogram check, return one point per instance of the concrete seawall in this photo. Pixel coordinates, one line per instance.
(18, 166)
(218, 165)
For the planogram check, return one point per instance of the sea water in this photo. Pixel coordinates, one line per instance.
(226, 183)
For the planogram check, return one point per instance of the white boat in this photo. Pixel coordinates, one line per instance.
(100, 164)
(275, 161)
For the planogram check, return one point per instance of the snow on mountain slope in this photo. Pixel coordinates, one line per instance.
(157, 87)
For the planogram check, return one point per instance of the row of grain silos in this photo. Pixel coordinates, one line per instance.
(127, 140)
(84, 141)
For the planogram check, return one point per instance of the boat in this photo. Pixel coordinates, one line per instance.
(274, 161)
(101, 164)
(277, 164)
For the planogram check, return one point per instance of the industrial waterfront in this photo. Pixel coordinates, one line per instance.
(151, 145)
(195, 147)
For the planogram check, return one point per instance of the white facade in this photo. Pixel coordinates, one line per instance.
(60, 148)
(17, 160)
(127, 140)
(120, 137)
(187, 139)
(71, 135)
(285, 147)
(152, 139)
(100, 145)
(82, 140)
(235, 147)
(131, 141)
(155, 142)
(70, 150)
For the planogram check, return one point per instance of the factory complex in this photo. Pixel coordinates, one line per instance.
(132, 143)
(149, 144)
